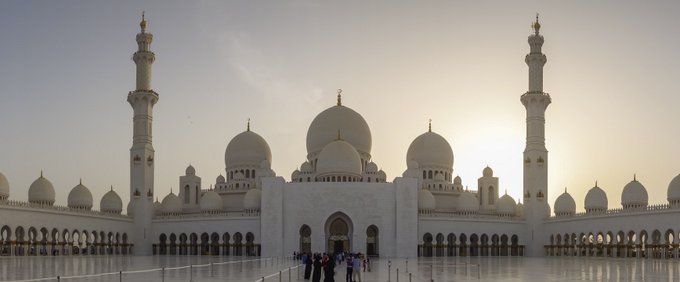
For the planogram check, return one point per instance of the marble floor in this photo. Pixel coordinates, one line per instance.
(249, 269)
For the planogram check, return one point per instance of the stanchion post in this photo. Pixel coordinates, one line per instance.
(120, 276)
(389, 270)
(431, 271)
(191, 273)
(58, 278)
(163, 274)
(289, 270)
(409, 277)
(406, 264)
(280, 276)
(397, 275)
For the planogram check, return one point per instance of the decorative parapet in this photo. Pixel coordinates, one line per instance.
(220, 214)
(469, 216)
(618, 211)
(57, 209)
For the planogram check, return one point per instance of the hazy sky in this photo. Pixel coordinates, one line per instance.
(612, 72)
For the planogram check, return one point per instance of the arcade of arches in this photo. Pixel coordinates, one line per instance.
(642, 244)
(470, 245)
(34, 241)
(207, 244)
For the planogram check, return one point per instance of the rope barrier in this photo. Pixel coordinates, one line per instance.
(279, 273)
(120, 273)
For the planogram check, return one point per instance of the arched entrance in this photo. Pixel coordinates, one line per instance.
(372, 241)
(305, 239)
(339, 232)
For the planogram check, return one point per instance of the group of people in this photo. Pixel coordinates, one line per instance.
(317, 263)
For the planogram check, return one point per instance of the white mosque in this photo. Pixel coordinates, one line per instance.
(338, 200)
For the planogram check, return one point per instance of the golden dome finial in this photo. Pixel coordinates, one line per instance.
(536, 25)
(339, 137)
(142, 24)
(429, 128)
(248, 125)
(339, 97)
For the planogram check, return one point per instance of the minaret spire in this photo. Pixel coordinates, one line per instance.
(142, 24)
(536, 25)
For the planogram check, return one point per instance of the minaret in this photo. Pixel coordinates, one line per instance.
(535, 154)
(535, 101)
(142, 158)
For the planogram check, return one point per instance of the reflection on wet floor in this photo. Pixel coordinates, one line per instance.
(250, 269)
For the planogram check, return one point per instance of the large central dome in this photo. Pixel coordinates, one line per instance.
(324, 129)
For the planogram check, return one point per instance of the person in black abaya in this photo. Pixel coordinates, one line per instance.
(308, 265)
(316, 273)
(329, 272)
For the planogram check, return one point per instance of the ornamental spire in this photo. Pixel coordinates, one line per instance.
(248, 125)
(339, 97)
(142, 24)
(429, 127)
(536, 25)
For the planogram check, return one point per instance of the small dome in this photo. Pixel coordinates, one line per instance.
(544, 209)
(171, 204)
(190, 170)
(457, 180)
(130, 209)
(634, 195)
(467, 202)
(519, 210)
(426, 200)
(41, 192)
(371, 167)
(382, 175)
(673, 192)
(211, 201)
(80, 198)
(247, 148)
(506, 205)
(220, 179)
(565, 204)
(596, 200)
(439, 177)
(4, 187)
(111, 202)
(157, 207)
(306, 167)
(252, 199)
(339, 157)
(324, 128)
(430, 149)
(487, 172)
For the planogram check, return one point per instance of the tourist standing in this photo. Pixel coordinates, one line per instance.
(307, 260)
(356, 265)
(348, 261)
(316, 273)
